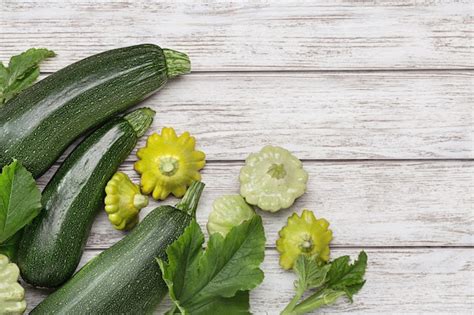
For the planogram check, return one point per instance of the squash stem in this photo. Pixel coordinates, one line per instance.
(177, 63)
(190, 200)
(140, 201)
(140, 120)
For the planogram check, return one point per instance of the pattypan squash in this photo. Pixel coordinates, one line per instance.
(12, 294)
(303, 235)
(272, 179)
(169, 164)
(228, 211)
(123, 201)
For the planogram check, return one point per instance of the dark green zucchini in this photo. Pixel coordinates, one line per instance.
(52, 245)
(126, 279)
(38, 125)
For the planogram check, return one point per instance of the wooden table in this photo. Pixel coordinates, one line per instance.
(376, 98)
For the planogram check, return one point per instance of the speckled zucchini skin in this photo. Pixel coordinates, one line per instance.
(40, 123)
(124, 279)
(52, 244)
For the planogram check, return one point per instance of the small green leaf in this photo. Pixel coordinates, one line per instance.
(353, 289)
(346, 276)
(331, 281)
(22, 71)
(20, 199)
(311, 273)
(215, 279)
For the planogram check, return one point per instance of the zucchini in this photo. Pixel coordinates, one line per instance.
(38, 125)
(52, 245)
(126, 279)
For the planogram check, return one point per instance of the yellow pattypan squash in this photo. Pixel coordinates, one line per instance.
(123, 201)
(169, 164)
(303, 235)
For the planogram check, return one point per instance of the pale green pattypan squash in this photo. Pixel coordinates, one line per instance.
(305, 235)
(228, 211)
(123, 201)
(12, 294)
(272, 179)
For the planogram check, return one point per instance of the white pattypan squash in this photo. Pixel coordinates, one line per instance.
(12, 294)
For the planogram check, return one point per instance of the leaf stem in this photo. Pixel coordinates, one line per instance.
(317, 300)
(291, 306)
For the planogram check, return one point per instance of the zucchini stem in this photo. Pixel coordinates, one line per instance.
(140, 120)
(190, 200)
(177, 63)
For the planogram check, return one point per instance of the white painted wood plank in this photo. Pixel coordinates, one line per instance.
(400, 281)
(368, 203)
(381, 115)
(249, 35)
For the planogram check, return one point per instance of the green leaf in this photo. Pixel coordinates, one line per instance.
(332, 281)
(182, 255)
(9, 248)
(20, 199)
(347, 277)
(200, 281)
(238, 304)
(22, 71)
(3, 77)
(311, 273)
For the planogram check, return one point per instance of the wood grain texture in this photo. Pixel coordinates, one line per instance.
(251, 35)
(368, 204)
(275, 72)
(371, 115)
(400, 281)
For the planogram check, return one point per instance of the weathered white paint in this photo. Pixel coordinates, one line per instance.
(334, 116)
(368, 203)
(251, 35)
(399, 281)
(381, 115)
